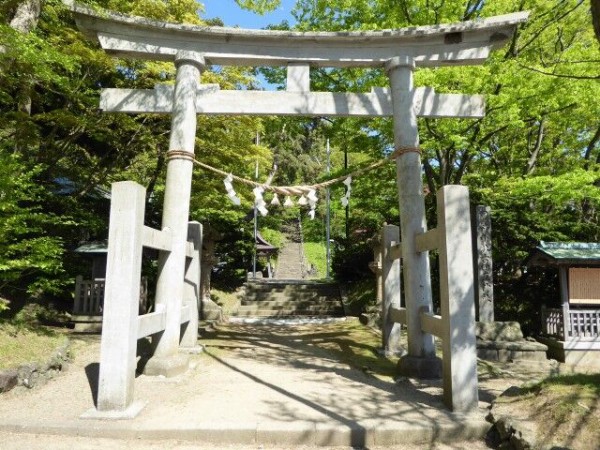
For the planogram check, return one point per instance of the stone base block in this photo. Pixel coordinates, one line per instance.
(511, 351)
(196, 350)
(87, 324)
(580, 356)
(167, 366)
(419, 367)
(209, 310)
(396, 353)
(129, 413)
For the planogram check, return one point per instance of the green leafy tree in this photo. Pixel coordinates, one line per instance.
(533, 158)
(66, 153)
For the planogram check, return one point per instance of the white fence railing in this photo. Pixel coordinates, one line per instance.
(552, 322)
(582, 324)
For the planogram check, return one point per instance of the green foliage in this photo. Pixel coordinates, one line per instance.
(533, 158)
(259, 6)
(59, 155)
(273, 237)
(316, 255)
(31, 259)
(20, 344)
(361, 296)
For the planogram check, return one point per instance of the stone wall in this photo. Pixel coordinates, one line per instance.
(33, 374)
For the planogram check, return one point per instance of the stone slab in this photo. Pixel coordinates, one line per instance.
(167, 367)
(515, 346)
(289, 433)
(129, 413)
(353, 435)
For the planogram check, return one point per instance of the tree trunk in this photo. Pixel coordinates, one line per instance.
(208, 261)
(24, 21)
(595, 7)
(536, 150)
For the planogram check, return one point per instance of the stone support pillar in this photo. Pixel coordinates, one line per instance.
(376, 268)
(483, 264)
(191, 289)
(170, 283)
(563, 276)
(390, 331)
(457, 299)
(120, 315)
(417, 281)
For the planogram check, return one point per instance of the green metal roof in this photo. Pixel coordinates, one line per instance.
(93, 247)
(565, 253)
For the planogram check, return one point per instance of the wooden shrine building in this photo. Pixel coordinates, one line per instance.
(572, 332)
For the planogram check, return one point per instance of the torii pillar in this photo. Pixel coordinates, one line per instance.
(166, 360)
(420, 361)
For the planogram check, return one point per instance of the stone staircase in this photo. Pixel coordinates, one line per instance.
(290, 262)
(290, 299)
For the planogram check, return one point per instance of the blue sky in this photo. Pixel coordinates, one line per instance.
(232, 15)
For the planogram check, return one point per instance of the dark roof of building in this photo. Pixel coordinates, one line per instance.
(565, 254)
(263, 247)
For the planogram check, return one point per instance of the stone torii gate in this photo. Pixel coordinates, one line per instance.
(399, 52)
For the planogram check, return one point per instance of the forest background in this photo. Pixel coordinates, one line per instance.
(534, 159)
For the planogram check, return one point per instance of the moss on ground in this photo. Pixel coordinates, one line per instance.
(20, 345)
(348, 342)
(229, 301)
(565, 409)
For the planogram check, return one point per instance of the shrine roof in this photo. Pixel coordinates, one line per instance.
(565, 253)
(264, 247)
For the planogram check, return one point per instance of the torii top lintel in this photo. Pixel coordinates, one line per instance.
(429, 46)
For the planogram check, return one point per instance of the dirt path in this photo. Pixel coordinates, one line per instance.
(281, 378)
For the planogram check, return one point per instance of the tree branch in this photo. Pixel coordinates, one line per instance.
(590, 147)
(536, 149)
(547, 24)
(559, 75)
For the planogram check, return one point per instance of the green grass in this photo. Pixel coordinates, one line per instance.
(585, 383)
(273, 237)
(361, 296)
(316, 254)
(20, 345)
(227, 300)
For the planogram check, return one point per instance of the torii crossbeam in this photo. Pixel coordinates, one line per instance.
(399, 52)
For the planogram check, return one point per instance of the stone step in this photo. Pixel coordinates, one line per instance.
(316, 308)
(281, 287)
(295, 284)
(288, 313)
(290, 303)
(291, 296)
